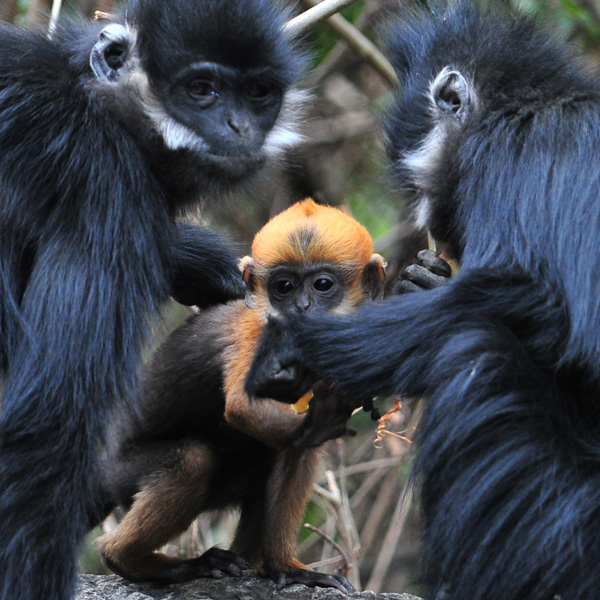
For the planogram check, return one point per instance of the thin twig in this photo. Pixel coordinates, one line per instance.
(331, 497)
(320, 12)
(375, 464)
(347, 525)
(431, 243)
(103, 16)
(336, 562)
(332, 542)
(365, 489)
(361, 44)
(330, 63)
(56, 6)
(378, 510)
(390, 542)
(381, 428)
(394, 531)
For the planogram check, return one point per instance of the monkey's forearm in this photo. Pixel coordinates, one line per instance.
(394, 330)
(205, 268)
(268, 421)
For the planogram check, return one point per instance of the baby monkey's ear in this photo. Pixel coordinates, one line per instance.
(247, 269)
(374, 276)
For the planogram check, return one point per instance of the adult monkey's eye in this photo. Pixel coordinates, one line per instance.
(323, 284)
(284, 287)
(258, 91)
(200, 88)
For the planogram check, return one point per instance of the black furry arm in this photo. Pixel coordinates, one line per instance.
(205, 268)
(395, 346)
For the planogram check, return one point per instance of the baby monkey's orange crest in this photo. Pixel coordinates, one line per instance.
(308, 236)
(309, 232)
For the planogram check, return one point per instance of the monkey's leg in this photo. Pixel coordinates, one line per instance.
(162, 510)
(248, 541)
(288, 489)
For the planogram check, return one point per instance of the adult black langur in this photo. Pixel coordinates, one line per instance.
(495, 138)
(106, 131)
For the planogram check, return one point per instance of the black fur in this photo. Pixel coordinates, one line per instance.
(198, 275)
(89, 250)
(508, 353)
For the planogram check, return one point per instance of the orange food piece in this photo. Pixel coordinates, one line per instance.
(302, 405)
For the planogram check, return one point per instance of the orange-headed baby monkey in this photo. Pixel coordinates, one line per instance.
(194, 441)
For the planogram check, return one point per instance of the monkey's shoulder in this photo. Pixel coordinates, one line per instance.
(181, 388)
(31, 60)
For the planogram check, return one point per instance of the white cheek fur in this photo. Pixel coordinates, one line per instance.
(285, 133)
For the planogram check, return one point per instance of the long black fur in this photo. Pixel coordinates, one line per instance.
(89, 250)
(508, 354)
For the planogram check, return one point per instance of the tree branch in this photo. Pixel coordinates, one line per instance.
(313, 16)
(56, 6)
(359, 43)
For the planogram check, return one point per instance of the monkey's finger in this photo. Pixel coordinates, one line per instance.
(430, 260)
(404, 286)
(370, 406)
(375, 413)
(423, 277)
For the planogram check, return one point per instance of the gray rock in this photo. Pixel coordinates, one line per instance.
(247, 587)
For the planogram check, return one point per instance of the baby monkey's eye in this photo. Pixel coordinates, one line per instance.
(284, 287)
(323, 284)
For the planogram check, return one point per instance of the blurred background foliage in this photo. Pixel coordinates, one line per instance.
(363, 499)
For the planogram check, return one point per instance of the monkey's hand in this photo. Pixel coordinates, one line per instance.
(326, 419)
(307, 577)
(430, 272)
(276, 371)
(205, 268)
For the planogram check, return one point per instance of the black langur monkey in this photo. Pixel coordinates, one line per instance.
(194, 441)
(495, 138)
(106, 131)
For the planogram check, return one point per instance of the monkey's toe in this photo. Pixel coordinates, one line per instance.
(225, 560)
(217, 563)
(310, 579)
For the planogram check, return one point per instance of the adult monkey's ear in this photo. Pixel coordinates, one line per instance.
(374, 276)
(452, 94)
(111, 52)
